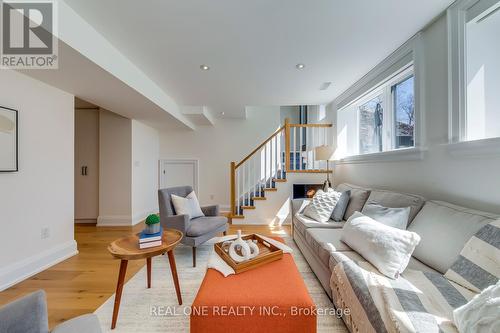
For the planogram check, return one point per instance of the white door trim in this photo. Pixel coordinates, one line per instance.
(194, 162)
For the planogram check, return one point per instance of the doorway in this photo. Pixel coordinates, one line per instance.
(86, 162)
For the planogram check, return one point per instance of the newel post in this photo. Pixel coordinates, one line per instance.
(287, 144)
(233, 188)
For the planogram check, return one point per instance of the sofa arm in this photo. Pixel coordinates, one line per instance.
(177, 222)
(88, 323)
(210, 210)
(298, 205)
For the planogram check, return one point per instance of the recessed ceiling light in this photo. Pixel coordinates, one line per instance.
(300, 66)
(222, 113)
(204, 67)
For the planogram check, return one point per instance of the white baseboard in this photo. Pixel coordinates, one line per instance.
(114, 221)
(21, 270)
(142, 216)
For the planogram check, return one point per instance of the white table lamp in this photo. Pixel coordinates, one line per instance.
(325, 153)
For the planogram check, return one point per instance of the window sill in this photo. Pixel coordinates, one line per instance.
(407, 154)
(476, 148)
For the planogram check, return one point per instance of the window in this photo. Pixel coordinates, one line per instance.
(404, 105)
(475, 70)
(383, 118)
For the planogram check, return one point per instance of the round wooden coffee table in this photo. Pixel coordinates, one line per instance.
(127, 248)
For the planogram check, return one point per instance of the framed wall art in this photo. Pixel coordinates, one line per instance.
(8, 140)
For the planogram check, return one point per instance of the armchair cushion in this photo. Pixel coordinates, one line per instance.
(86, 323)
(210, 210)
(25, 315)
(204, 225)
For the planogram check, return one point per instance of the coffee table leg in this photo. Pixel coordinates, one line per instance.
(148, 262)
(173, 268)
(119, 289)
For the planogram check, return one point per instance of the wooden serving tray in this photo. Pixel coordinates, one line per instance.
(267, 253)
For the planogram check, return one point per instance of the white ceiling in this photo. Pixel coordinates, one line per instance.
(252, 46)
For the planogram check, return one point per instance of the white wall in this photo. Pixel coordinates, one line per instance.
(40, 195)
(145, 156)
(115, 169)
(216, 146)
(467, 181)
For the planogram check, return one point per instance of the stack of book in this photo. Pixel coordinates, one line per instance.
(150, 240)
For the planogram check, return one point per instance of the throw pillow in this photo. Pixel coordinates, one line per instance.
(393, 217)
(481, 313)
(388, 249)
(478, 265)
(187, 206)
(322, 205)
(341, 206)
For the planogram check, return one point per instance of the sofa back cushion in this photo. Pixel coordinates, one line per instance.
(444, 229)
(357, 200)
(397, 200)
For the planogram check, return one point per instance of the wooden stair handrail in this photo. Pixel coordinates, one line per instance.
(260, 146)
(310, 125)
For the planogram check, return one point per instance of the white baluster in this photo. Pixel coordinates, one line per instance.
(300, 149)
(256, 173)
(245, 190)
(294, 143)
(265, 165)
(238, 191)
(313, 138)
(277, 140)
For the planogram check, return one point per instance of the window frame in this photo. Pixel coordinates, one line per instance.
(457, 18)
(385, 88)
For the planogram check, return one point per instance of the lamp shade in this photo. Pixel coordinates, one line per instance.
(323, 153)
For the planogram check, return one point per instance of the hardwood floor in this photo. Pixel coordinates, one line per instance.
(82, 283)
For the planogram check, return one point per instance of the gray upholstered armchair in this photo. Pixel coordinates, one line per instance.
(28, 314)
(196, 231)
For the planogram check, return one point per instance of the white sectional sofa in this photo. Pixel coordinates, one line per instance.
(422, 299)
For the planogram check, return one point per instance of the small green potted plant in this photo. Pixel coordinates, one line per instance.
(152, 224)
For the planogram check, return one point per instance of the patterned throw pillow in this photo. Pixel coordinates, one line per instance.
(478, 265)
(322, 205)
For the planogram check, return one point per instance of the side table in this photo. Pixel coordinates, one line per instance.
(127, 248)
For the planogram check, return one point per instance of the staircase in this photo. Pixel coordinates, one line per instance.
(288, 150)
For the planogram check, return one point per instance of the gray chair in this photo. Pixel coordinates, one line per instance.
(28, 314)
(196, 231)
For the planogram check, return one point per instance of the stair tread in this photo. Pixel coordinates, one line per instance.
(248, 207)
(238, 216)
(259, 198)
(272, 189)
(279, 180)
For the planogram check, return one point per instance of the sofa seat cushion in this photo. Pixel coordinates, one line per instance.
(357, 200)
(444, 229)
(417, 301)
(203, 225)
(325, 241)
(302, 223)
(417, 265)
(397, 200)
